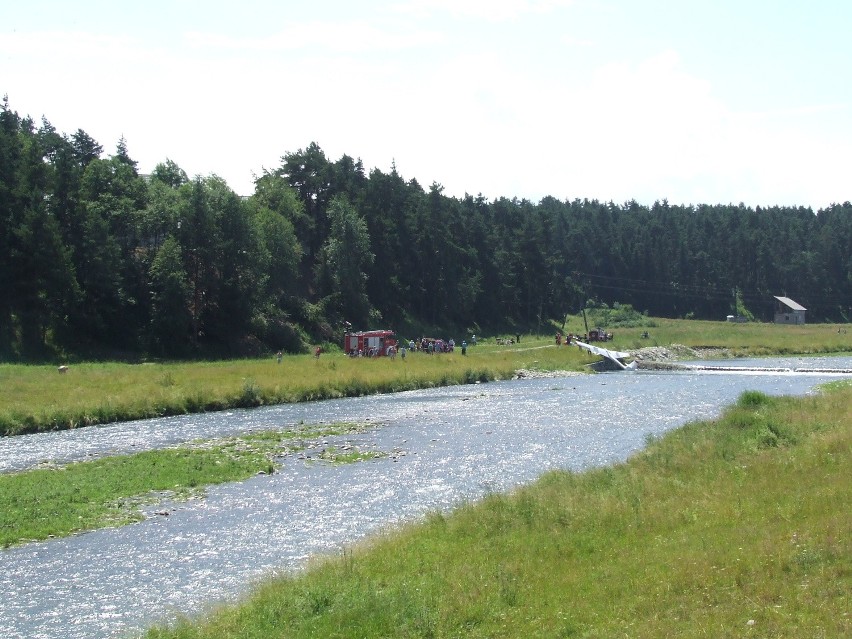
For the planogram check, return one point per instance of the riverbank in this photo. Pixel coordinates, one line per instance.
(461, 441)
(39, 398)
(726, 528)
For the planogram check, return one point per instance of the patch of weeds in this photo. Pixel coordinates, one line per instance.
(753, 399)
(509, 590)
(771, 435)
(316, 601)
(251, 395)
(348, 456)
(332, 429)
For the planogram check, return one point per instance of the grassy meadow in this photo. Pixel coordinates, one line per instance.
(34, 398)
(738, 527)
(750, 339)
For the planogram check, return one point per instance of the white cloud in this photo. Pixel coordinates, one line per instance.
(58, 46)
(475, 117)
(492, 10)
(329, 37)
(647, 130)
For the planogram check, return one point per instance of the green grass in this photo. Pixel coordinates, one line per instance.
(737, 527)
(749, 339)
(37, 398)
(715, 525)
(55, 502)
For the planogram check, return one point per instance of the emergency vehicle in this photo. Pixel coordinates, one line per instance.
(370, 343)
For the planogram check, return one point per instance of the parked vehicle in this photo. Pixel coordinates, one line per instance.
(370, 343)
(599, 335)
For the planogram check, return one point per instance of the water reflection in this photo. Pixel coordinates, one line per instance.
(454, 444)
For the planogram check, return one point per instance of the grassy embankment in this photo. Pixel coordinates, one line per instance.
(733, 528)
(35, 398)
(59, 501)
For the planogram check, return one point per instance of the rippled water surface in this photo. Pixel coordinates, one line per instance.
(452, 444)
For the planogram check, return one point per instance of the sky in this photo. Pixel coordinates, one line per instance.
(693, 101)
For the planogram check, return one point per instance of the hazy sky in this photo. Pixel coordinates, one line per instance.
(704, 101)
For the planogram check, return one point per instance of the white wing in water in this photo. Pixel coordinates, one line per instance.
(614, 356)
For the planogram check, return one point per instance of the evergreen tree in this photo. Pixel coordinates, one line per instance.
(199, 240)
(239, 256)
(283, 255)
(170, 318)
(113, 275)
(384, 203)
(346, 254)
(43, 283)
(10, 215)
(310, 174)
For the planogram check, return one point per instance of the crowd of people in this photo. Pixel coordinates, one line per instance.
(432, 345)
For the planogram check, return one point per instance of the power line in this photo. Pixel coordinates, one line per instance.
(695, 291)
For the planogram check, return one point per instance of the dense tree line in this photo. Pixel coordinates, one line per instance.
(98, 260)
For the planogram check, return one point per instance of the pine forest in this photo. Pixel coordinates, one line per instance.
(99, 261)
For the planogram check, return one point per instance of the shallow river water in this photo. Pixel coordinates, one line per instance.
(445, 446)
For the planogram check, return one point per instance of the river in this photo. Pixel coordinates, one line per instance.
(445, 446)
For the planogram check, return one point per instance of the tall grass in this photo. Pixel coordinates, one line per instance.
(36, 398)
(714, 530)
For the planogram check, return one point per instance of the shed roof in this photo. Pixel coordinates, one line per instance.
(788, 302)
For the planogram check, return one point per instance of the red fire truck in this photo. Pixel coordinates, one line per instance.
(369, 343)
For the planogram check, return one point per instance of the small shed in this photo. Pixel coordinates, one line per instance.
(789, 312)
